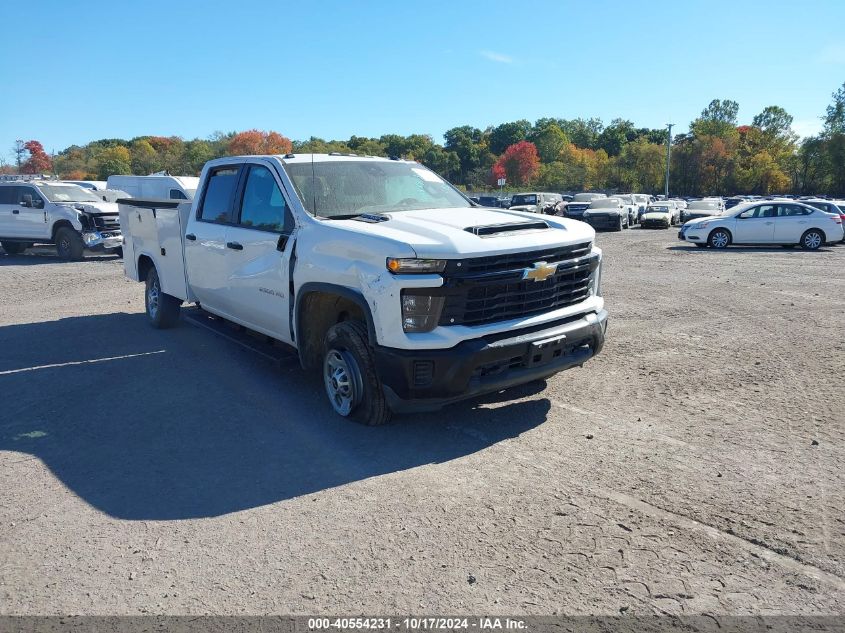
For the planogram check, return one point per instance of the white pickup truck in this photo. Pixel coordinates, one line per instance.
(405, 295)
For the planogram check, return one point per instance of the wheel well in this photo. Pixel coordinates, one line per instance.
(720, 228)
(58, 225)
(145, 262)
(317, 312)
(824, 235)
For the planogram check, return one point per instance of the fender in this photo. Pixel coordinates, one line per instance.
(352, 294)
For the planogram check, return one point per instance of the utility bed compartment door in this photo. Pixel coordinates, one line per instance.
(155, 228)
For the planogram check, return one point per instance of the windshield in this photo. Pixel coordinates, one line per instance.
(604, 203)
(586, 197)
(346, 188)
(67, 193)
(524, 198)
(703, 205)
(662, 208)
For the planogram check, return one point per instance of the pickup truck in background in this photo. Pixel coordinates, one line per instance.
(73, 218)
(387, 280)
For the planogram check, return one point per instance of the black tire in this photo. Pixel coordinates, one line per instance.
(719, 238)
(812, 240)
(349, 375)
(118, 252)
(619, 228)
(162, 309)
(14, 248)
(69, 244)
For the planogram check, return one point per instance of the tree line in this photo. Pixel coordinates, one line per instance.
(716, 156)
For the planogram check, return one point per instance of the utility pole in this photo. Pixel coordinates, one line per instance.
(668, 156)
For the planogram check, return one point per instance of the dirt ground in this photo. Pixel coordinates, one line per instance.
(696, 466)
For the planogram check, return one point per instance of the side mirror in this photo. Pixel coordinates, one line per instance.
(26, 201)
(38, 203)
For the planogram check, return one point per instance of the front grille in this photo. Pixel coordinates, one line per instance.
(110, 223)
(490, 297)
(510, 262)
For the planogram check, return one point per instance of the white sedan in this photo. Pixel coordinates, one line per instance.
(771, 222)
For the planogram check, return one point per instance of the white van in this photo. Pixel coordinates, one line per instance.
(156, 186)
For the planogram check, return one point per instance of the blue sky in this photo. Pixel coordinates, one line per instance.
(84, 70)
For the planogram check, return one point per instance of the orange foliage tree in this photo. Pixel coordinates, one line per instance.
(258, 142)
(38, 162)
(519, 164)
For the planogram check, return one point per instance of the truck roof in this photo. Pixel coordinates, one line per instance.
(334, 156)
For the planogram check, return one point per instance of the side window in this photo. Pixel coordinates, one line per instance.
(37, 200)
(263, 206)
(7, 195)
(217, 199)
(176, 194)
(791, 210)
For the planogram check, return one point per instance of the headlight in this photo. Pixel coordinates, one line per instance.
(91, 238)
(420, 312)
(700, 225)
(401, 266)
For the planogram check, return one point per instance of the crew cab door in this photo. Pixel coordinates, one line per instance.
(258, 250)
(756, 225)
(31, 217)
(205, 238)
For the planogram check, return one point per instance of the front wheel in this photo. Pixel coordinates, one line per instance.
(69, 244)
(162, 309)
(812, 240)
(619, 228)
(719, 238)
(349, 375)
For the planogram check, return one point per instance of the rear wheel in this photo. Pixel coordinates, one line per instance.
(349, 375)
(69, 244)
(14, 248)
(719, 238)
(812, 240)
(162, 309)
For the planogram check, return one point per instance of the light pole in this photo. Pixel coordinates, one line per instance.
(668, 156)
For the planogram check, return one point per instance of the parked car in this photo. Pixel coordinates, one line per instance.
(540, 202)
(157, 186)
(633, 208)
(382, 276)
(642, 201)
(660, 215)
(788, 223)
(580, 203)
(702, 209)
(488, 201)
(51, 212)
(608, 213)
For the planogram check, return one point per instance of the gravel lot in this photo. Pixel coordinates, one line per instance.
(695, 466)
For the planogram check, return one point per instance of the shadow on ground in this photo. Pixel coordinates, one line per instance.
(180, 424)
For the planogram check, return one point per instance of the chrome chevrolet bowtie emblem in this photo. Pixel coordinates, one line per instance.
(540, 271)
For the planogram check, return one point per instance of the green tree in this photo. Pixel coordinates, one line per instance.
(143, 158)
(719, 118)
(113, 160)
(550, 142)
(507, 134)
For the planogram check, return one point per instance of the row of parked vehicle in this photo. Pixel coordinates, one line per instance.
(76, 215)
(716, 222)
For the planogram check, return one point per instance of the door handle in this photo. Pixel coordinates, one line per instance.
(190, 236)
(235, 246)
(15, 211)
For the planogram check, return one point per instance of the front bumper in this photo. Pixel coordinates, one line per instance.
(603, 221)
(97, 241)
(425, 380)
(654, 224)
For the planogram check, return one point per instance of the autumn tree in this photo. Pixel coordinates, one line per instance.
(507, 134)
(254, 142)
(519, 164)
(37, 161)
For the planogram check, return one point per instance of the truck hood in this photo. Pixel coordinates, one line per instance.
(447, 233)
(96, 208)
